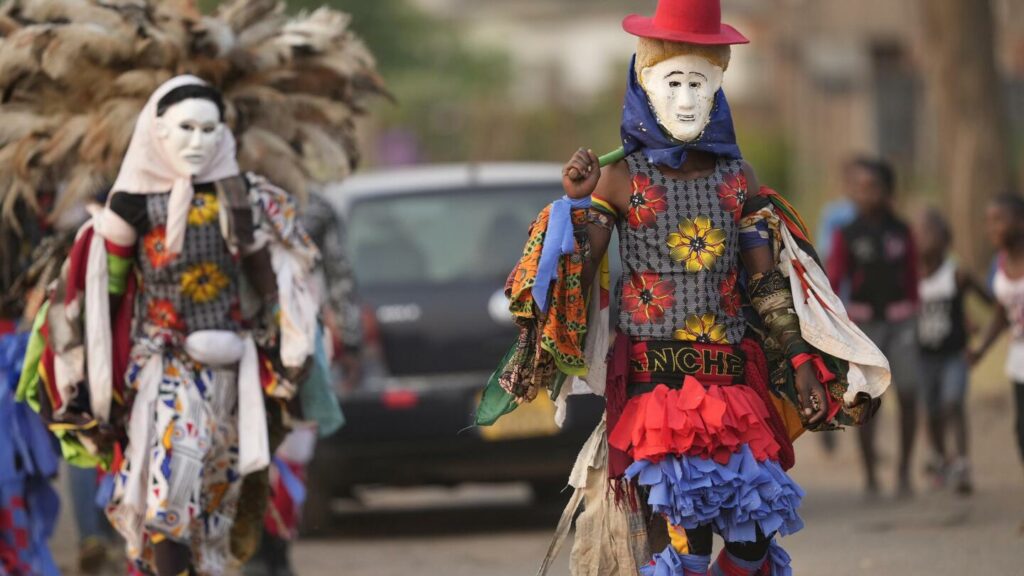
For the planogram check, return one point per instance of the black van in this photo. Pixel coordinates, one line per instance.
(431, 248)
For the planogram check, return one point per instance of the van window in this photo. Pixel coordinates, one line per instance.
(442, 237)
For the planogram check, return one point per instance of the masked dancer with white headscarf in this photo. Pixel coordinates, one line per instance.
(193, 287)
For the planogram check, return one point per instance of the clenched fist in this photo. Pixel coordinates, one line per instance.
(580, 174)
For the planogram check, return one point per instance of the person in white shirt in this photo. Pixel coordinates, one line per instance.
(1005, 224)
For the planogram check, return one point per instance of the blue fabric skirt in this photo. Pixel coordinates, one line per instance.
(736, 498)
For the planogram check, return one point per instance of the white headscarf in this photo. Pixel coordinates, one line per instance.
(146, 169)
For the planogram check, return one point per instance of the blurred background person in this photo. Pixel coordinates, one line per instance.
(838, 213)
(1005, 225)
(942, 332)
(875, 253)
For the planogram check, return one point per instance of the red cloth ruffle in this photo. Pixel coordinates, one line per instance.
(712, 422)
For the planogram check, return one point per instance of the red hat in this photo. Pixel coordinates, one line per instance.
(693, 21)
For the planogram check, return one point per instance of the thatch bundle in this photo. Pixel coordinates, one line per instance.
(74, 75)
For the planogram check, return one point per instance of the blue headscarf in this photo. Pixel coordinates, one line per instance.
(641, 131)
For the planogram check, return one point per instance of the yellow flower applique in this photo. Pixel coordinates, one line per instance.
(205, 209)
(203, 282)
(697, 244)
(703, 329)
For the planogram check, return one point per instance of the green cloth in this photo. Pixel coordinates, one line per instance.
(319, 402)
(28, 384)
(117, 273)
(71, 447)
(495, 402)
(76, 454)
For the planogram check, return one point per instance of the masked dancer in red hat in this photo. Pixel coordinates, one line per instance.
(730, 341)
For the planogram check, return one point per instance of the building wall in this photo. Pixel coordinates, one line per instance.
(849, 78)
(832, 77)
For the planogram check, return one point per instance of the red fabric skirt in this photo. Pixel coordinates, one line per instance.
(713, 421)
(710, 422)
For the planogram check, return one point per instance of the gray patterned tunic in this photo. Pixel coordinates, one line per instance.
(679, 245)
(198, 290)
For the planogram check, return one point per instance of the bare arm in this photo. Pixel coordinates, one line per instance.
(969, 284)
(993, 331)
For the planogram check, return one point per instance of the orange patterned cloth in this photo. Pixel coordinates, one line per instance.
(549, 343)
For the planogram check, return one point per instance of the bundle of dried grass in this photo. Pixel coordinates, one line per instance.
(74, 75)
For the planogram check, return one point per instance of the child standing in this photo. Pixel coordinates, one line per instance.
(942, 338)
(1005, 223)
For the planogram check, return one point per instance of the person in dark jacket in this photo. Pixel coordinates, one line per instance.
(876, 258)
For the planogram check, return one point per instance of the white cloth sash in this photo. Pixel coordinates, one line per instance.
(825, 325)
(99, 339)
(253, 443)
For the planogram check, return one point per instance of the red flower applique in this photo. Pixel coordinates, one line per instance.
(163, 314)
(732, 193)
(731, 302)
(645, 202)
(646, 297)
(155, 244)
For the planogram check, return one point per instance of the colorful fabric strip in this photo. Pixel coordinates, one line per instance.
(319, 402)
(28, 503)
(119, 250)
(603, 205)
(671, 563)
(754, 236)
(292, 484)
(558, 241)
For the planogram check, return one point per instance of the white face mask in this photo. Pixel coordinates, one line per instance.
(189, 133)
(682, 92)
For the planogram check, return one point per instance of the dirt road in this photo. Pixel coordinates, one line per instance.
(935, 533)
(493, 532)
